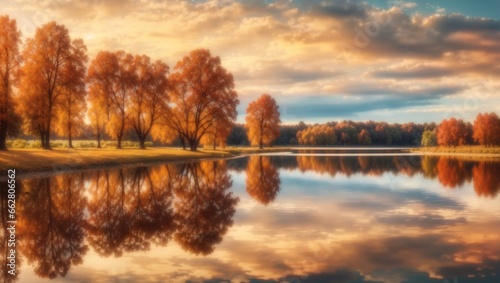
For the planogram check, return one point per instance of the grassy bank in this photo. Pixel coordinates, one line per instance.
(27, 161)
(462, 150)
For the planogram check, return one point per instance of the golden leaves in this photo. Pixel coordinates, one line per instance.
(263, 120)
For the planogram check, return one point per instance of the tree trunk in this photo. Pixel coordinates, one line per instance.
(98, 138)
(119, 143)
(142, 140)
(70, 143)
(46, 138)
(183, 142)
(47, 131)
(3, 135)
(192, 144)
(3, 145)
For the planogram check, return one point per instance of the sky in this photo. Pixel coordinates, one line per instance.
(395, 61)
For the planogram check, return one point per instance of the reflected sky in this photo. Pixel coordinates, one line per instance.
(293, 218)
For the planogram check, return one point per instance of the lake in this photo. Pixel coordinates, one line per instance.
(306, 216)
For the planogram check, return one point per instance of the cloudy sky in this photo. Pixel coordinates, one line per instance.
(397, 61)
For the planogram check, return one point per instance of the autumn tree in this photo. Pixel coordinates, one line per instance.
(452, 132)
(487, 129)
(317, 135)
(50, 61)
(148, 100)
(97, 116)
(429, 138)
(202, 95)
(72, 106)
(364, 137)
(10, 58)
(347, 133)
(263, 120)
(111, 79)
(218, 134)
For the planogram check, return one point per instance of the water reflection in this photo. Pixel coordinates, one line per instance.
(263, 180)
(51, 224)
(4, 238)
(351, 221)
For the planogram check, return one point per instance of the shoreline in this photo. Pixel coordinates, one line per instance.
(37, 162)
(473, 151)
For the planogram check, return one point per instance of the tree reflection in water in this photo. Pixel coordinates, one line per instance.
(132, 209)
(51, 223)
(451, 172)
(263, 179)
(4, 236)
(205, 207)
(129, 209)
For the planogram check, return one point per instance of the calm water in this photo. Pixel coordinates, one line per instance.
(291, 218)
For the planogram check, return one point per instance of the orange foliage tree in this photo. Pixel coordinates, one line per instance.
(202, 96)
(49, 58)
(72, 106)
(263, 120)
(218, 134)
(98, 118)
(452, 132)
(148, 101)
(317, 135)
(487, 129)
(111, 78)
(10, 58)
(364, 137)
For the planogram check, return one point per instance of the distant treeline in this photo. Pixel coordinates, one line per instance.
(450, 132)
(342, 133)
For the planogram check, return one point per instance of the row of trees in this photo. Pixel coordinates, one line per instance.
(454, 132)
(365, 133)
(195, 104)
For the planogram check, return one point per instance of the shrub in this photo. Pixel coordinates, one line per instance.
(109, 144)
(19, 143)
(8, 143)
(149, 144)
(35, 144)
(87, 144)
(130, 144)
(56, 144)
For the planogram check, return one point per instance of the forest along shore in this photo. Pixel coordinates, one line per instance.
(33, 161)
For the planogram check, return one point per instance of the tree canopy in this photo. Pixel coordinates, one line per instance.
(263, 120)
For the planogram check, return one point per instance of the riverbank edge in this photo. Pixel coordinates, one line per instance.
(37, 162)
(471, 153)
